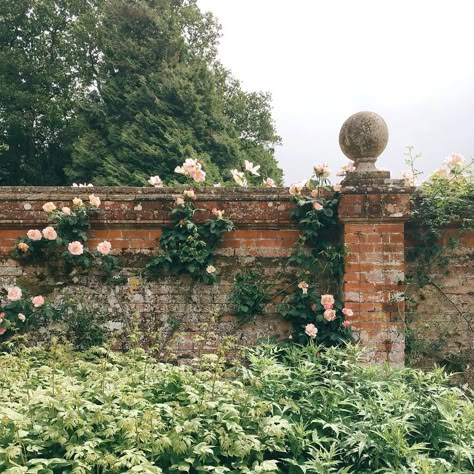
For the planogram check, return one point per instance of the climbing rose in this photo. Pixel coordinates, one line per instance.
(94, 200)
(322, 170)
(14, 293)
(346, 169)
(440, 173)
(2, 315)
(409, 178)
(304, 287)
(337, 188)
(329, 315)
(77, 202)
(328, 306)
(251, 168)
(23, 247)
(49, 207)
(179, 201)
(37, 301)
(317, 206)
(104, 247)
(34, 234)
(217, 213)
(327, 299)
(49, 233)
(239, 177)
(296, 188)
(2, 331)
(66, 210)
(269, 183)
(156, 181)
(454, 160)
(198, 175)
(192, 168)
(311, 330)
(21, 317)
(75, 248)
(211, 269)
(348, 312)
(346, 324)
(189, 194)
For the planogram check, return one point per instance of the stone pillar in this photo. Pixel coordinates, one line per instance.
(373, 210)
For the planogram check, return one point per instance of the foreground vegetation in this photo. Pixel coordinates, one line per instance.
(294, 410)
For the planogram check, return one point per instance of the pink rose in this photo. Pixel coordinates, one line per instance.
(290, 337)
(348, 312)
(311, 330)
(49, 233)
(318, 206)
(37, 301)
(14, 293)
(329, 315)
(94, 200)
(322, 170)
(269, 183)
(296, 188)
(66, 210)
(23, 247)
(21, 317)
(347, 324)
(328, 306)
(156, 181)
(198, 175)
(454, 160)
(104, 247)
(217, 213)
(327, 299)
(211, 269)
(75, 248)
(34, 234)
(179, 201)
(2, 315)
(315, 193)
(2, 331)
(77, 202)
(189, 193)
(303, 286)
(337, 188)
(49, 207)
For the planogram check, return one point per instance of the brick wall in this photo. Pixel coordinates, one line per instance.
(373, 231)
(442, 316)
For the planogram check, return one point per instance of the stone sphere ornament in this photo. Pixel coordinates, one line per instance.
(363, 138)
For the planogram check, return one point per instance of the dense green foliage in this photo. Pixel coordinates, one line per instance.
(115, 91)
(294, 410)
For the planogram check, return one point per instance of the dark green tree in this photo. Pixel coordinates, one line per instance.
(42, 76)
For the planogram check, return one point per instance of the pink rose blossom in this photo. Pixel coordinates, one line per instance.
(239, 177)
(337, 188)
(217, 213)
(2, 315)
(346, 169)
(211, 269)
(14, 293)
(179, 201)
(37, 301)
(347, 324)
(329, 315)
(454, 160)
(318, 206)
(94, 200)
(198, 175)
(156, 181)
(189, 193)
(322, 170)
(77, 202)
(440, 173)
(290, 337)
(311, 330)
(66, 210)
(327, 299)
(23, 247)
(296, 188)
(49, 233)
(75, 248)
(104, 247)
(315, 193)
(49, 207)
(192, 168)
(328, 306)
(347, 312)
(303, 286)
(269, 183)
(34, 234)
(21, 317)
(2, 331)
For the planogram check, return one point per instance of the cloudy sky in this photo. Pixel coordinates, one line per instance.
(411, 61)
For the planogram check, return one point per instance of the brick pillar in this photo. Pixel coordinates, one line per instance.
(374, 265)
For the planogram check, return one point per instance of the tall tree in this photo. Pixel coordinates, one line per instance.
(42, 56)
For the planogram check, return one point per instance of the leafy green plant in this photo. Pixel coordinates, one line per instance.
(287, 410)
(187, 247)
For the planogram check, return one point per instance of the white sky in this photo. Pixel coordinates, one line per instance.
(411, 61)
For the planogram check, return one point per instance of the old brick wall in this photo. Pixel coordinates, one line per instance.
(131, 220)
(441, 317)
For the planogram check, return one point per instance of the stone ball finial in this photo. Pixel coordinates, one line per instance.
(363, 138)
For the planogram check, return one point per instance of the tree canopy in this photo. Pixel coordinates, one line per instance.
(114, 91)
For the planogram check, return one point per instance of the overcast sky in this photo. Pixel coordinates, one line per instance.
(411, 61)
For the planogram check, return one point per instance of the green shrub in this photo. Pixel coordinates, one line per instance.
(290, 410)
